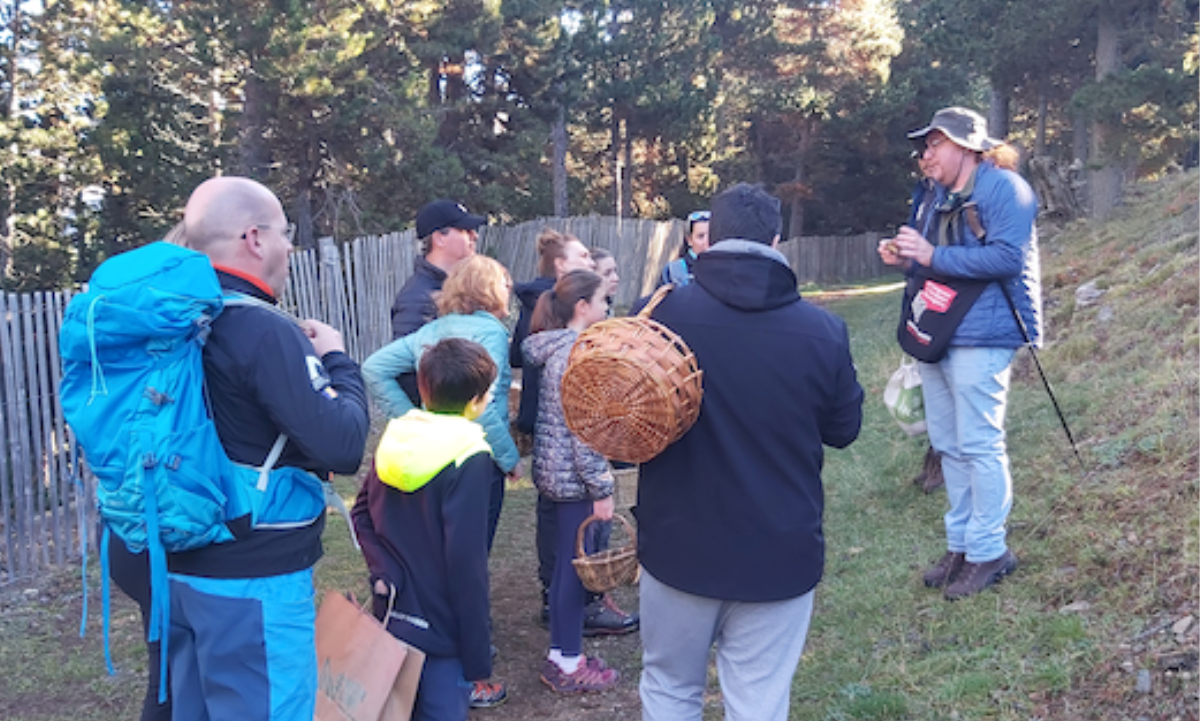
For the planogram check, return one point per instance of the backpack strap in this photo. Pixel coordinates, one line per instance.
(677, 272)
(233, 297)
(264, 471)
(332, 498)
(971, 213)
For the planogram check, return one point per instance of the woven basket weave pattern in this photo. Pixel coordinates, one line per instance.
(603, 571)
(631, 387)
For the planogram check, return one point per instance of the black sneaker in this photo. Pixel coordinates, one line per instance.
(602, 617)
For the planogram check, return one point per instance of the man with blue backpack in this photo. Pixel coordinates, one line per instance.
(243, 617)
(233, 504)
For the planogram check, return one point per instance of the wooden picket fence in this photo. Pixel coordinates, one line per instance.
(47, 495)
(42, 516)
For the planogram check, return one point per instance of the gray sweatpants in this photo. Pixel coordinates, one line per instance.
(758, 649)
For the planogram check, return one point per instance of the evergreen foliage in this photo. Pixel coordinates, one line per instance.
(357, 113)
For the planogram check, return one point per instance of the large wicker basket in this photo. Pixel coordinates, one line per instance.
(603, 571)
(632, 387)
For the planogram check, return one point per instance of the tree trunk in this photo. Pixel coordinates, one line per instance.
(1054, 187)
(560, 140)
(9, 108)
(795, 227)
(1039, 141)
(1106, 180)
(614, 142)
(627, 174)
(683, 166)
(301, 214)
(252, 148)
(433, 83)
(998, 113)
(1080, 137)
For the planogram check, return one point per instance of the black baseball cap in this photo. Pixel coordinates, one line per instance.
(443, 213)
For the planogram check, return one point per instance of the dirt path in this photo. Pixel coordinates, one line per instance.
(523, 642)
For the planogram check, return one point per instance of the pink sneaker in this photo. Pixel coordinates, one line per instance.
(591, 676)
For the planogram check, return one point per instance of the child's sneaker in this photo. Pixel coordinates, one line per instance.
(592, 675)
(485, 694)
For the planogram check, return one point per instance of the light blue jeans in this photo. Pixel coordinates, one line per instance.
(966, 395)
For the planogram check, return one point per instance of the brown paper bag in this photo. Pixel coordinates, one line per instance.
(364, 672)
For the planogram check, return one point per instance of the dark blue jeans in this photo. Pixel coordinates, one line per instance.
(495, 504)
(567, 595)
(596, 539)
(443, 694)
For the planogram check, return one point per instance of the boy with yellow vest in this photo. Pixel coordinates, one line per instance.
(421, 518)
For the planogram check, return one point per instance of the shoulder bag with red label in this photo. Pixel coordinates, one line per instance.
(932, 309)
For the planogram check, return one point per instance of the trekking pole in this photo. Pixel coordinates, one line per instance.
(1045, 381)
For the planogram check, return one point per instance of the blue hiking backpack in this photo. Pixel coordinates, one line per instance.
(133, 393)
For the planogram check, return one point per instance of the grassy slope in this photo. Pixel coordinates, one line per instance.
(1107, 555)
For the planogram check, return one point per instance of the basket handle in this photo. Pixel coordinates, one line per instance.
(589, 521)
(655, 300)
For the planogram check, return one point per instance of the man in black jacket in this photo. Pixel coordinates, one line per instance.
(729, 516)
(241, 644)
(448, 234)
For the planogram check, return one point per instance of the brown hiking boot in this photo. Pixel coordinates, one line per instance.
(974, 577)
(945, 570)
(919, 479)
(933, 472)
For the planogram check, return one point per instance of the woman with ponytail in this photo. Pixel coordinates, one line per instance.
(573, 477)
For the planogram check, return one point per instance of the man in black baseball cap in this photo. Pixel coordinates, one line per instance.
(446, 214)
(448, 234)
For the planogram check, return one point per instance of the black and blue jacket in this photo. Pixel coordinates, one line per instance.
(264, 379)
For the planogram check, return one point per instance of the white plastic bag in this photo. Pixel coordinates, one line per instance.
(903, 398)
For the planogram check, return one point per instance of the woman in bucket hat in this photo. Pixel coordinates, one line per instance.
(983, 229)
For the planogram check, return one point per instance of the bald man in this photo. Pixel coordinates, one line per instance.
(241, 644)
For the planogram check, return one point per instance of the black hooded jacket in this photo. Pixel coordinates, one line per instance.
(733, 509)
(414, 307)
(528, 294)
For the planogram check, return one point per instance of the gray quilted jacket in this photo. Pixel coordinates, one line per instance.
(564, 469)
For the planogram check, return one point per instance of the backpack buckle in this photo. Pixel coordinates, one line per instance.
(157, 398)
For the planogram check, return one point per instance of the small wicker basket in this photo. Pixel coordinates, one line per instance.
(603, 571)
(632, 386)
